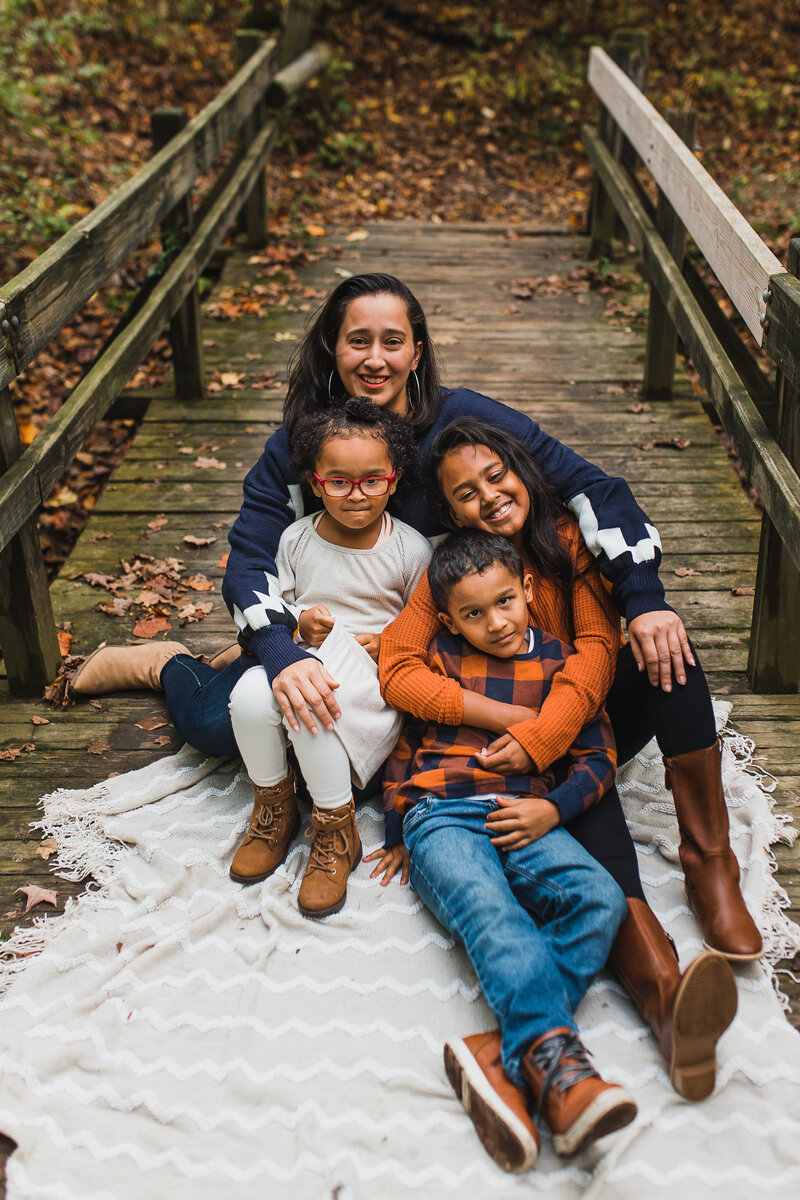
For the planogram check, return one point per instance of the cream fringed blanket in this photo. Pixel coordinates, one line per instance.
(181, 1037)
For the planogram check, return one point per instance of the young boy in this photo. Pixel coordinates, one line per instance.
(536, 914)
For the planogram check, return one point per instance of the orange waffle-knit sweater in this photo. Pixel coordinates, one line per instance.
(577, 692)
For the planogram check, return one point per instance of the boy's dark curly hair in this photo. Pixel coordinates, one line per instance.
(354, 415)
(468, 552)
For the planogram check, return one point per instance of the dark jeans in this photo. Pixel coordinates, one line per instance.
(682, 720)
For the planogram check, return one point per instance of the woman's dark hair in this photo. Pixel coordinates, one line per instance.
(540, 539)
(347, 418)
(314, 363)
(468, 552)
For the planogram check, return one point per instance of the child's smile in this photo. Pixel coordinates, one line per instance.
(482, 492)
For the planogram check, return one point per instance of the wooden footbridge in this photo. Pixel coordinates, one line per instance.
(521, 313)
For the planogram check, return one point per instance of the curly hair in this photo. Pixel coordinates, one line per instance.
(348, 418)
(314, 383)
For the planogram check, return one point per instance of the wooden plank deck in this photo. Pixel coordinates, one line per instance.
(562, 357)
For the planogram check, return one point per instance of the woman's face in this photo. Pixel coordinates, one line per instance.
(376, 352)
(482, 492)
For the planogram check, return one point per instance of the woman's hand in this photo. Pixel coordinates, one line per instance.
(304, 690)
(506, 756)
(392, 860)
(521, 820)
(371, 643)
(315, 624)
(660, 644)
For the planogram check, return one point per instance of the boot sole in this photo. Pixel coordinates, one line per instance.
(502, 1135)
(340, 903)
(610, 1111)
(741, 958)
(247, 880)
(705, 1004)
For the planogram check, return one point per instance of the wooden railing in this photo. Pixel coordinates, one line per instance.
(763, 422)
(37, 304)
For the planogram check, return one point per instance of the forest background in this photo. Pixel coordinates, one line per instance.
(440, 112)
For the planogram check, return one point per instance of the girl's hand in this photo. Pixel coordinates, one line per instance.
(660, 644)
(505, 756)
(304, 690)
(371, 643)
(315, 624)
(520, 820)
(391, 861)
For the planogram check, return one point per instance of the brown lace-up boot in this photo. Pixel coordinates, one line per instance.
(709, 864)
(577, 1104)
(272, 826)
(688, 1013)
(335, 852)
(497, 1108)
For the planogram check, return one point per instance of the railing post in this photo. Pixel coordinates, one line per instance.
(253, 216)
(176, 230)
(630, 50)
(773, 663)
(297, 25)
(27, 625)
(662, 341)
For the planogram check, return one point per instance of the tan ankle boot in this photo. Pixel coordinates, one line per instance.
(688, 1013)
(125, 668)
(272, 826)
(226, 656)
(709, 864)
(335, 852)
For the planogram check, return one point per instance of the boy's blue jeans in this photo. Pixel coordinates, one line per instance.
(537, 923)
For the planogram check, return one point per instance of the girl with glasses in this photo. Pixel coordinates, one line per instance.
(344, 573)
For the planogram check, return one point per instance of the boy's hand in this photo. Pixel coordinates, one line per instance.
(391, 861)
(521, 820)
(505, 756)
(315, 624)
(371, 643)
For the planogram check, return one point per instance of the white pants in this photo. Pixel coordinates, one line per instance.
(262, 734)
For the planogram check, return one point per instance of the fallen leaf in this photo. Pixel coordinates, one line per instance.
(36, 895)
(119, 947)
(342, 273)
(446, 340)
(150, 723)
(206, 464)
(684, 571)
(230, 379)
(191, 540)
(48, 848)
(163, 740)
(39, 720)
(315, 230)
(98, 747)
(96, 704)
(149, 598)
(223, 562)
(64, 642)
(638, 408)
(148, 627)
(199, 583)
(676, 443)
(14, 752)
(743, 591)
(62, 498)
(117, 608)
(285, 337)
(357, 235)
(185, 450)
(160, 521)
(96, 580)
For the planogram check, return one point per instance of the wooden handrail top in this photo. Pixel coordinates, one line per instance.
(742, 262)
(40, 301)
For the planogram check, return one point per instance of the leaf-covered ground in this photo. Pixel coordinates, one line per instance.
(443, 112)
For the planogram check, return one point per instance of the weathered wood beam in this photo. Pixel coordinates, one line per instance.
(48, 293)
(762, 459)
(29, 480)
(737, 255)
(292, 78)
(782, 329)
(298, 21)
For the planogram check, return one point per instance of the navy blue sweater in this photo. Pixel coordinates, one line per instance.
(616, 530)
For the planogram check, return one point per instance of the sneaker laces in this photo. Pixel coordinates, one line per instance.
(564, 1061)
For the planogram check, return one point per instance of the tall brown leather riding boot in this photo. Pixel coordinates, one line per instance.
(688, 1013)
(709, 864)
(272, 826)
(335, 852)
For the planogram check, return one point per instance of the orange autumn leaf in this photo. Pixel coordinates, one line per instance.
(36, 895)
(148, 627)
(64, 642)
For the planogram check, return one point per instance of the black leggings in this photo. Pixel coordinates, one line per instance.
(682, 720)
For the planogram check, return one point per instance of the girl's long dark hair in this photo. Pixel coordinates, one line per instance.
(540, 538)
(314, 362)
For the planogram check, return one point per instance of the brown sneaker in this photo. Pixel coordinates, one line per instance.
(497, 1108)
(335, 852)
(577, 1104)
(272, 826)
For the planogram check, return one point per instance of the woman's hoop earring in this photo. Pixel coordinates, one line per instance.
(330, 381)
(411, 403)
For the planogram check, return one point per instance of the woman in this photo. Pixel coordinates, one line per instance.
(370, 338)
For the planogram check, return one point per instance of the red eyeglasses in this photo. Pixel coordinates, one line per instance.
(338, 487)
